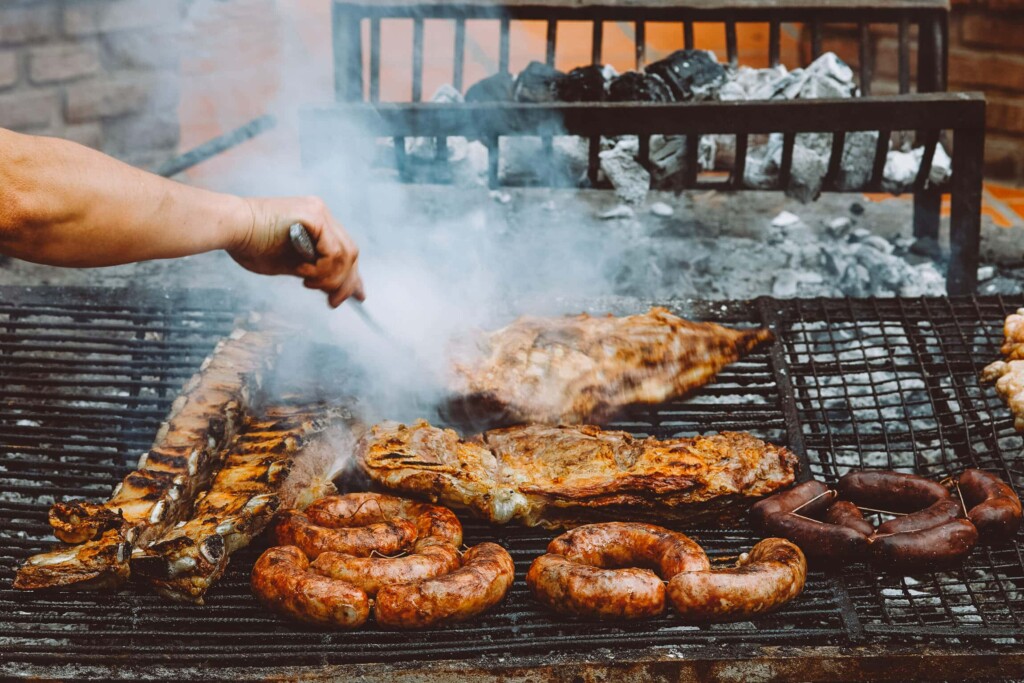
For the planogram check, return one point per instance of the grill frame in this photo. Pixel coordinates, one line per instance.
(122, 635)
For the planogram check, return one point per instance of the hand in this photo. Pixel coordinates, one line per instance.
(265, 246)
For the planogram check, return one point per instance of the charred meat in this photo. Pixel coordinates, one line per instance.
(1008, 374)
(584, 369)
(553, 476)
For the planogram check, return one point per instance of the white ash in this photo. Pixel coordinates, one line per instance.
(630, 180)
(664, 210)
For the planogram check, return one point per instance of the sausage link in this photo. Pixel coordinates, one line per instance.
(433, 522)
(613, 545)
(845, 513)
(893, 491)
(590, 592)
(386, 538)
(827, 543)
(925, 550)
(772, 574)
(281, 580)
(992, 505)
(373, 573)
(483, 580)
(797, 498)
(932, 516)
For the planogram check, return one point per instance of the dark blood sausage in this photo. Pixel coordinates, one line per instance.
(373, 573)
(281, 580)
(797, 498)
(992, 505)
(483, 580)
(772, 574)
(828, 543)
(890, 491)
(581, 590)
(433, 522)
(934, 515)
(844, 513)
(613, 545)
(386, 538)
(925, 550)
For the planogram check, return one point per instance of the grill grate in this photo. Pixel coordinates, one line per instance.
(84, 387)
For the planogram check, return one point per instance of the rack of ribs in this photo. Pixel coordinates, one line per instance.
(580, 369)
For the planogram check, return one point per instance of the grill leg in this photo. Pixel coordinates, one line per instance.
(965, 214)
(927, 207)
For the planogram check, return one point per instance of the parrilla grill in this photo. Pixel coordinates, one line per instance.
(846, 384)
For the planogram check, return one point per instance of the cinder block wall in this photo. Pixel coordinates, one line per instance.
(986, 52)
(104, 73)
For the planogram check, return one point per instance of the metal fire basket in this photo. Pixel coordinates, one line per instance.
(928, 112)
(86, 375)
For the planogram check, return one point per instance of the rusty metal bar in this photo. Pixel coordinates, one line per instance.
(640, 32)
(786, 168)
(835, 158)
(643, 153)
(460, 53)
(865, 58)
(688, 35)
(375, 59)
(692, 166)
(927, 199)
(552, 38)
(904, 56)
(730, 42)
(503, 47)
(417, 59)
(593, 160)
(596, 42)
(774, 39)
(881, 152)
(740, 163)
(965, 209)
(815, 38)
(925, 169)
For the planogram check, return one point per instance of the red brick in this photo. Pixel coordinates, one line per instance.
(30, 109)
(8, 69)
(985, 70)
(991, 30)
(141, 49)
(66, 62)
(887, 59)
(89, 17)
(27, 23)
(1004, 157)
(1005, 114)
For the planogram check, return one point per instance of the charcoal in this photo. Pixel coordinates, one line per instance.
(496, 88)
(633, 86)
(538, 82)
(582, 84)
(690, 74)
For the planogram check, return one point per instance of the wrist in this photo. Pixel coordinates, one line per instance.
(240, 225)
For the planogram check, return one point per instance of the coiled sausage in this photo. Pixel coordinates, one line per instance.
(924, 550)
(373, 573)
(845, 513)
(433, 522)
(386, 538)
(593, 593)
(992, 505)
(890, 491)
(809, 499)
(937, 513)
(613, 545)
(789, 515)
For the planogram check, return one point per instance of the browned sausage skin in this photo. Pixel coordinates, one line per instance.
(483, 580)
(433, 522)
(592, 593)
(924, 550)
(845, 513)
(373, 573)
(934, 515)
(281, 580)
(613, 545)
(992, 505)
(772, 574)
(790, 514)
(809, 499)
(890, 491)
(386, 538)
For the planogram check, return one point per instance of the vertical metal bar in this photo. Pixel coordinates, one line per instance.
(929, 45)
(943, 61)
(730, 42)
(493, 150)
(503, 48)
(965, 210)
(460, 53)
(881, 152)
(552, 40)
(927, 199)
(931, 141)
(643, 153)
(641, 44)
(417, 59)
(835, 158)
(785, 170)
(375, 59)
(773, 42)
(740, 163)
(815, 38)
(401, 161)
(865, 58)
(692, 152)
(348, 54)
(904, 56)
(593, 160)
(688, 35)
(596, 43)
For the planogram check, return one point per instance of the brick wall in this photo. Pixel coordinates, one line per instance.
(986, 53)
(101, 72)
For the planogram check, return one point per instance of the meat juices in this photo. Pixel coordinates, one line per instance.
(772, 574)
(283, 583)
(386, 538)
(482, 582)
(992, 505)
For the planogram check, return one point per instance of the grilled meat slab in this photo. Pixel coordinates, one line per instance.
(578, 369)
(167, 479)
(556, 476)
(188, 559)
(1008, 374)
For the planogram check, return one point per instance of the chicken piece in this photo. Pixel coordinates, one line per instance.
(579, 369)
(1008, 374)
(557, 476)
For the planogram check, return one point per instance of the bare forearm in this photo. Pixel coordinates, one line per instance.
(67, 205)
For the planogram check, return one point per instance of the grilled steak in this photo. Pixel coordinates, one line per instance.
(554, 476)
(583, 369)
(185, 561)
(1009, 374)
(160, 492)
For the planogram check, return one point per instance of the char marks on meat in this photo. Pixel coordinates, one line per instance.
(584, 369)
(160, 492)
(555, 476)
